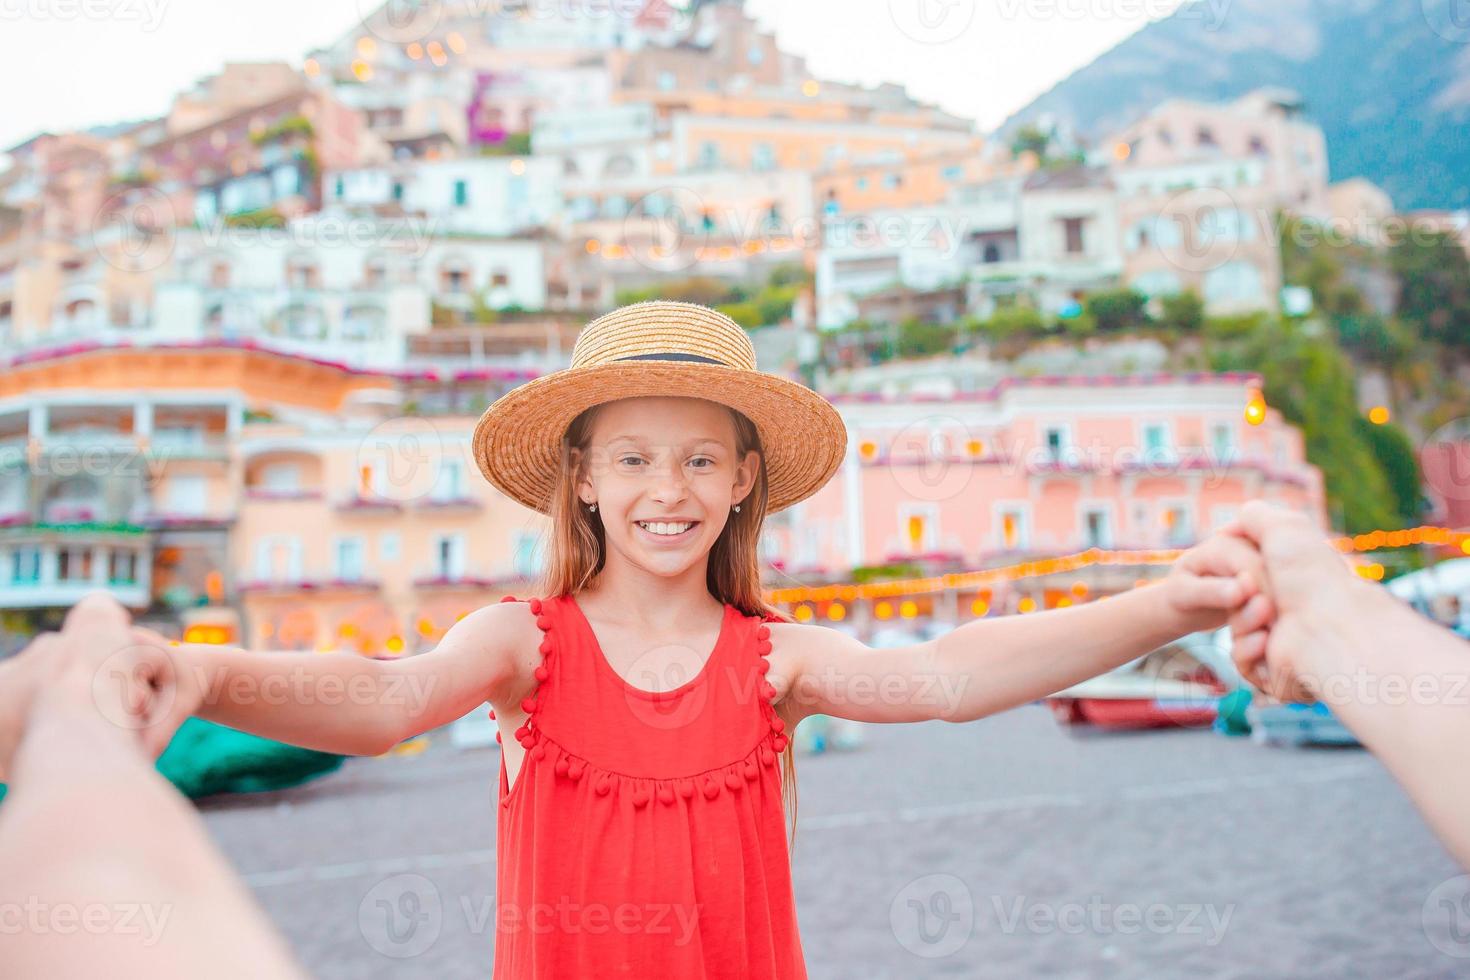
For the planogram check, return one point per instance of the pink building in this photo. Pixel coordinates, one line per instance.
(1047, 466)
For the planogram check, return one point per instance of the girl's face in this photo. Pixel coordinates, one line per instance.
(664, 475)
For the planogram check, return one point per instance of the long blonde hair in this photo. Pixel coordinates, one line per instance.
(576, 549)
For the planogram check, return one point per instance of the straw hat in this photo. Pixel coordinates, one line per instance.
(660, 348)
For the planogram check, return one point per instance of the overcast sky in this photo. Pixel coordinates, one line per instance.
(66, 64)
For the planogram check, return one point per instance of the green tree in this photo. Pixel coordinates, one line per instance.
(1395, 453)
(1434, 280)
(1183, 313)
(1118, 310)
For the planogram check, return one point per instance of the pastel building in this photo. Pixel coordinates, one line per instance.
(328, 506)
(301, 493)
(1043, 466)
(1201, 188)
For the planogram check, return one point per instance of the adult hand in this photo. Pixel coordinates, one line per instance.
(1309, 588)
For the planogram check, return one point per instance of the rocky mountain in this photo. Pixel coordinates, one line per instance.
(1388, 80)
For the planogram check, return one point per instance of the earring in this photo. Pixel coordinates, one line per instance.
(737, 508)
(592, 508)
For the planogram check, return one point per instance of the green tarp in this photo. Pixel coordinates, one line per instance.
(204, 758)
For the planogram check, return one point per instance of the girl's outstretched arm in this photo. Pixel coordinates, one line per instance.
(345, 703)
(990, 665)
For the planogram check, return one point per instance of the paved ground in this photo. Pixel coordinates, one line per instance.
(1005, 848)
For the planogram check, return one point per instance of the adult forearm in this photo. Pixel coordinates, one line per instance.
(13, 699)
(91, 833)
(1401, 684)
(1012, 660)
(331, 702)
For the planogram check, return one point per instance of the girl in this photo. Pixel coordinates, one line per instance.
(645, 693)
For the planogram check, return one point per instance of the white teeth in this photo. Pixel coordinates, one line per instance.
(661, 528)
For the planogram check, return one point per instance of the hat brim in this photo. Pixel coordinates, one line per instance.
(517, 442)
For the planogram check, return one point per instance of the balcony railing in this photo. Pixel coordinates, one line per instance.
(463, 579)
(265, 494)
(288, 584)
(449, 504)
(367, 504)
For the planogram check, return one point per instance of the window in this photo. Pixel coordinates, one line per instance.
(187, 495)
(1073, 230)
(25, 566)
(499, 278)
(450, 483)
(763, 157)
(1097, 528)
(1159, 282)
(892, 181)
(1156, 443)
(1235, 283)
(526, 549)
(1222, 440)
(74, 565)
(862, 183)
(449, 556)
(1206, 136)
(709, 155)
(918, 528)
(666, 81)
(461, 193)
(1258, 146)
(389, 546)
(398, 190)
(1056, 443)
(122, 568)
(339, 188)
(278, 560)
(281, 477)
(349, 559)
(1178, 530)
(1011, 526)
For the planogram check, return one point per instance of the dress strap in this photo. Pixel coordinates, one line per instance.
(529, 734)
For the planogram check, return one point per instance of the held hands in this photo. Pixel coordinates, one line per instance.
(1213, 581)
(1310, 594)
(98, 668)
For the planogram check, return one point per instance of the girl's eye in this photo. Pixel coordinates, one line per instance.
(697, 459)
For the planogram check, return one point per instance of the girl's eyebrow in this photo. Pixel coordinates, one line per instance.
(639, 440)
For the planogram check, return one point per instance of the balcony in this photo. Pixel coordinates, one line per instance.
(368, 505)
(451, 505)
(164, 521)
(268, 494)
(315, 586)
(462, 579)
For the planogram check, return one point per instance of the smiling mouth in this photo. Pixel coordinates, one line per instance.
(667, 531)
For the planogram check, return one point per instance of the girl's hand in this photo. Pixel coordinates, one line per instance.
(1212, 581)
(183, 691)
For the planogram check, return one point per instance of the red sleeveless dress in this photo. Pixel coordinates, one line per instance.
(645, 834)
